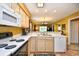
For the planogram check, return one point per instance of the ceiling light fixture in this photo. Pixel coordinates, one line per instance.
(54, 11)
(40, 5)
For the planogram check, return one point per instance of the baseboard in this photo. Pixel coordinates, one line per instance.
(74, 43)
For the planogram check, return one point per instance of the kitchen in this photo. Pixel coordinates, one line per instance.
(23, 35)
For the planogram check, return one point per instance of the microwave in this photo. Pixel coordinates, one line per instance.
(8, 18)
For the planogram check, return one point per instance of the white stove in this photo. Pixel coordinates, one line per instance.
(9, 45)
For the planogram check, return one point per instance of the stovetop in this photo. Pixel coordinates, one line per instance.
(12, 40)
(7, 46)
(15, 40)
(3, 45)
(20, 40)
(11, 44)
(10, 47)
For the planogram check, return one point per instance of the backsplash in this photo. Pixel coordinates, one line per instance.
(14, 30)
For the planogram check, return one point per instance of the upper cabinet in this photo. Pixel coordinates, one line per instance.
(24, 19)
(27, 22)
(17, 14)
(15, 7)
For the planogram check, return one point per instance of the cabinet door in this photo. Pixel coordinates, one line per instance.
(26, 21)
(15, 7)
(23, 17)
(49, 45)
(40, 45)
(60, 44)
(32, 45)
(23, 21)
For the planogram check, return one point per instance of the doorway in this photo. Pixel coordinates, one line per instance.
(74, 34)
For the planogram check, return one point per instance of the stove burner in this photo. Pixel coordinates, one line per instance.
(3, 45)
(12, 40)
(20, 40)
(10, 47)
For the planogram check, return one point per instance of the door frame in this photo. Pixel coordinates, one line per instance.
(69, 21)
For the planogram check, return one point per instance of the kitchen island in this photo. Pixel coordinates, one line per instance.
(58, 42)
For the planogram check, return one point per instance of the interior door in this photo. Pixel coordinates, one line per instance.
(74, 32)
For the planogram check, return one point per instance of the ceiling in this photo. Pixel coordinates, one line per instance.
(51, 12)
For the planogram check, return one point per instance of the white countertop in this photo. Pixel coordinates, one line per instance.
(7, 52)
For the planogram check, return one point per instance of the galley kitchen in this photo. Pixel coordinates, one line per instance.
(39, 29)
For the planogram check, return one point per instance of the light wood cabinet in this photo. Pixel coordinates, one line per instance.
(32, 44)
(40, 45)
(24, 19)
(49, 45)
(15, 7)
(44, 44)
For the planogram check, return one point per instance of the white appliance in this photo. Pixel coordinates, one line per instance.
(8, 18)
(59, 44)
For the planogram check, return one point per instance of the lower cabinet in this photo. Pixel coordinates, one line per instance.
(32, 44)
(49, 45)
(40, 45)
